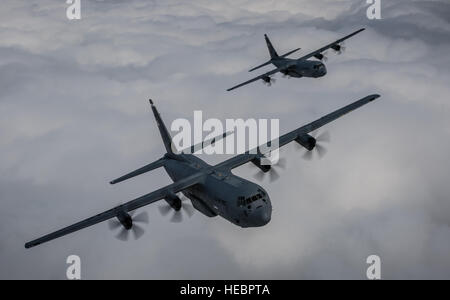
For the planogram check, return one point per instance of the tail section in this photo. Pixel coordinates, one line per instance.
(156, 164)
(273, 54)
(272, 51)
(165, 135)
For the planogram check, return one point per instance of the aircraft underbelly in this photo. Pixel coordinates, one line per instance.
(297, 72)
(216, 196)
(200, 204)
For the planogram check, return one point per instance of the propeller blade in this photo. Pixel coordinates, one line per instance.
(273, 173)
(320, 150)
(323, 137)
(268, 81)
(114, 224)
(164, 209)
(340, 49)
(123, 235)
(178, 214)
(281, 163)
(343, 47)
(189, 209)
(274, 176)
(259, 175)
(308, 155)
(177, 217)
(141, 218)
(138, 231)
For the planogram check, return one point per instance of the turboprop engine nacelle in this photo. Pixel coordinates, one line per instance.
(306, 141)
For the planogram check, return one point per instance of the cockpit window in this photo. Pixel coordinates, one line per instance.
(242, 201)
(319, 66)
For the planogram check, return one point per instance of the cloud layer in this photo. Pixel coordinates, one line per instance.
(74, 115)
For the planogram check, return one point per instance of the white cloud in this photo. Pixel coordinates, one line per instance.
(74, 115)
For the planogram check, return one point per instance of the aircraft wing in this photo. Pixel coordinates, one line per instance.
(337, 42)
(293, 135)
(127, 207)
(263, 75)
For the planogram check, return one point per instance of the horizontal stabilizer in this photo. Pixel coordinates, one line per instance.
(260, 66)
(290, 52)
(204, 144)
(145, 169)
(270, 61)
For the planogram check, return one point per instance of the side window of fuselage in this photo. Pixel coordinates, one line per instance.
(242, 201)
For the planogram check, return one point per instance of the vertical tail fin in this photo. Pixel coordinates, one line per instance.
(165, 135)
(273, 53)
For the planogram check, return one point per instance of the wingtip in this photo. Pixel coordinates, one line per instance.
(374, 96)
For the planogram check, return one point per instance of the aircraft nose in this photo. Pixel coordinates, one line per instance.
(262, 216)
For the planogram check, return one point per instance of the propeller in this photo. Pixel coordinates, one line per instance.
(285, 73)
(272, 173)
(268, 80)
(124, 233)
(177, 215)
(324, 137)
(322, 56)
(341, 48)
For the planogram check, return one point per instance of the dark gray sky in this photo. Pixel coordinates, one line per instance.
(74, 115)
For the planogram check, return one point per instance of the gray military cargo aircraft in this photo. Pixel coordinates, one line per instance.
(301, 67)
(212, 189)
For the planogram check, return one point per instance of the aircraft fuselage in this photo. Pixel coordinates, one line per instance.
(242, 202)
(302, 68)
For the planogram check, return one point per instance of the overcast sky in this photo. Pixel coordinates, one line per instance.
(74, 115)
